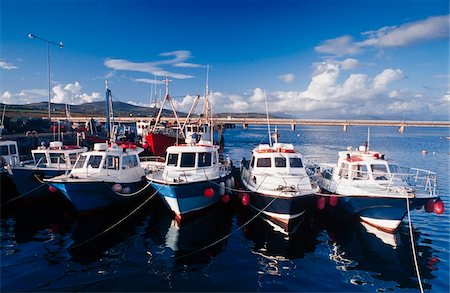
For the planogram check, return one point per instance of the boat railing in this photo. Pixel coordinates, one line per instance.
(422, 179)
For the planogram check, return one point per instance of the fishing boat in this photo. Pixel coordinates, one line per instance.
(47, 162)
(107, 175)
(364, 183)
(278, 185)
(9, 156)
(192, 177)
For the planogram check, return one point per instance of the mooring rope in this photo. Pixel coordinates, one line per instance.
(22, 195)
(229, 234)
(118, 222)
(413, 247)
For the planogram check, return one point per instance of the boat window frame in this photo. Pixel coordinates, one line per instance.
(57, 158)
(342, 173)
(295, 166)
(12, 149)
(384, 175)
(358, 173)
(264, 159)
(37, 157)
(172, 159)
(81, 161)
(201, 162)
(4, 148)
(282, 160)
(188, 155)
(115, 162)
(97, 159)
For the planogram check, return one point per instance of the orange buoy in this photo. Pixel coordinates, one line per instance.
(439, 207)
(208, 192)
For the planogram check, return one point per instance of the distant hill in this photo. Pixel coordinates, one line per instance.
(98, 109)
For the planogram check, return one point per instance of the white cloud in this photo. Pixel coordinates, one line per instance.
(287, 78)
(149, 81)
(69, 93)
(349, 63)
(436, 27)
(177, 59)
(6, 65)
(332, 94)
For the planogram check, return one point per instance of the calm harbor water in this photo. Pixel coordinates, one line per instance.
(47, 247)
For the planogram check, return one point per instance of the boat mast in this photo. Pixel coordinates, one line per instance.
(268, 121)
(109, 112)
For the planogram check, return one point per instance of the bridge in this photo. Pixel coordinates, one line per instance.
(245, 122)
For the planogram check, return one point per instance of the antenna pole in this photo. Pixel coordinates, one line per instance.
(268, 121)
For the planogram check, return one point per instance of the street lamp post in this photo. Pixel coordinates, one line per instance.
(61, 45)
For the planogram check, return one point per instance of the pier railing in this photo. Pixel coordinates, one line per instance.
(245, 122)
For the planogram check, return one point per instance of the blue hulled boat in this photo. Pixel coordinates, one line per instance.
(107, 175)
(192, 178)
(47, 162)
(278, 185)
(365, 184)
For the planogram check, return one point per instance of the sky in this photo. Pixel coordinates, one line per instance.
(309, 59)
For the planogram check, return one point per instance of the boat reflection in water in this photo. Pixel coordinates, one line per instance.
(277, 250)
(368, 256)
(192, 240)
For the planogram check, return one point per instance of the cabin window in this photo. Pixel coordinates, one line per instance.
(40, 158)
(80, 162)
(214, 158)
(12, 149)
(343, 172)
(252, 163)
(112, 163)
(263, 162)
(56, 158)
(360, 172)
(395, 169)
(280, 162)
(172, 160)
(295, 163)
(379, 172)
(4, 150)
(129, 162)
(72, 158)
(187, 160)
(94, 161)
(204, 159)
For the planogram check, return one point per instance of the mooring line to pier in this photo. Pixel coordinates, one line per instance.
(22, 195)
(118, 222)
(229, 234)
(413, 246)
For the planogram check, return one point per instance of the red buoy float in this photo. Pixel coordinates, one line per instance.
(208, 192)
(225, 198)
(52, 189)
(320, 203)
(429, 207)
(333, 201)
(439, 207)
(246, 199)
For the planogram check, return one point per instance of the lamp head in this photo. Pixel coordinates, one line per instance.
(61, 45)
(31, 36)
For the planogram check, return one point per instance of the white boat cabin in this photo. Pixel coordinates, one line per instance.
(122, 164)
(56, 155)
(365, 165)
(187, 163)
(278, 159)
(9, 153)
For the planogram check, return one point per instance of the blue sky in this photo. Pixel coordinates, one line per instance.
(311, 59)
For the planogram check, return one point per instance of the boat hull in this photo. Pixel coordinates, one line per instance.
(185, 199)
(29, 181)
(384, 213)
(285, 212)
(86, 196)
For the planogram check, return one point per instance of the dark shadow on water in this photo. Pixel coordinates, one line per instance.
(194, 240)
(357, 248)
